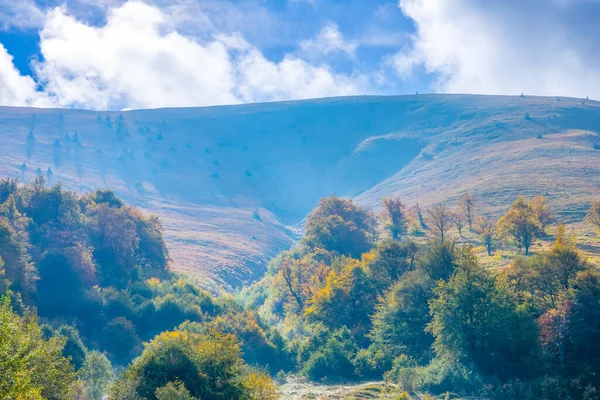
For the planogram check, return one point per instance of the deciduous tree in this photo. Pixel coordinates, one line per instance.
(474, 321)
(593, 215)
(520, 224)
(542, 212)
(393, 217)
(488, 234)
(342, 226)
(30, 366)
(467, 205)
(459, 221)
(440, 220)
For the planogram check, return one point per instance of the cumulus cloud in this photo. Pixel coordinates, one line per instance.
(15, 89)
(20, 14)
(328, 41)
(292, 78)
(138, 59)
(505, 47)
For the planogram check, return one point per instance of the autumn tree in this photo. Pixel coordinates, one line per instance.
(340, 225)
(488, 234)
(546, 278)
(569, 335)
(542, 212)
(393, 217)
(520, 224)
(347, 299)
(593, 215)
(467, 205)
(208, 365)
(440, 221)
(295, 273)
(459, 221)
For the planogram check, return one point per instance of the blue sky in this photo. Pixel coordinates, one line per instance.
(118, 54)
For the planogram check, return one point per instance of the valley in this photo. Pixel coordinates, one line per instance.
(233, 184)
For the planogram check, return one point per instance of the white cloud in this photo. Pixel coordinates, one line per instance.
(504, 47)
(15, 89)
(328, 41)
(20, 14)
(292, 78)
(132, 61)
(139, 60)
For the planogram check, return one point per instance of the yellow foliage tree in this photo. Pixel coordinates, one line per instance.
(520, 224)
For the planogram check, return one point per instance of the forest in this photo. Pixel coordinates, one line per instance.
(91, 307)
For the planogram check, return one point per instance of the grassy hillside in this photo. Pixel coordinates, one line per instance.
(229, 182)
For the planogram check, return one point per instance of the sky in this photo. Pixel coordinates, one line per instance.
(131, 54)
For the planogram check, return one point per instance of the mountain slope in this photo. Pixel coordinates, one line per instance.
(229, 181)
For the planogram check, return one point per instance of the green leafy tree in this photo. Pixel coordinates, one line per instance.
(401, 317)
(119, 337)
(74, 348)
(173, 391)
(208, 365)
(390, 260)
(584, 328)
(8, 187)
(439, 260)
(31, 368)
(19, 270)
(476, 322)
(521, 224)
(394, 217)
(4, 282)
(340, 225)
(329, 355)
(96, 373)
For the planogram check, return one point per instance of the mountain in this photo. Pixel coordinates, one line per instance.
(232, 183)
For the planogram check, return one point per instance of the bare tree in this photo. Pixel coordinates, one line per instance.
(467, 205)
(420, 216)
(440, 220)
(393, 217)
(459, 221)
